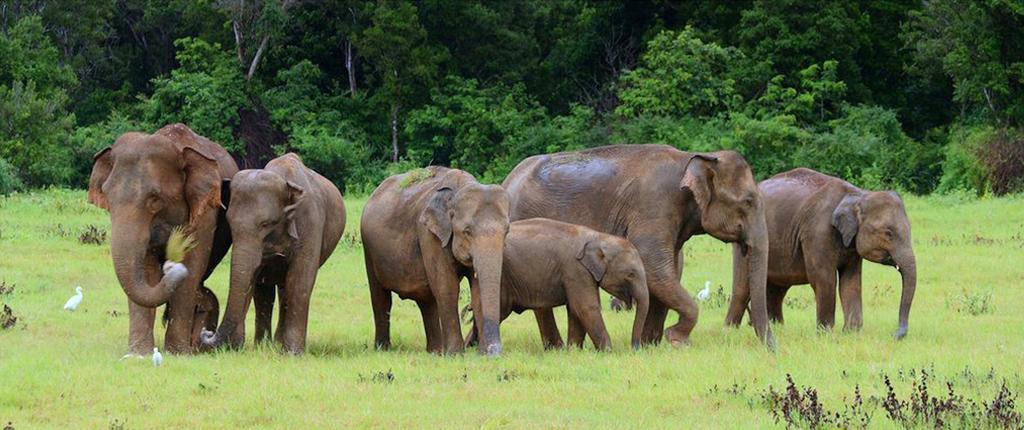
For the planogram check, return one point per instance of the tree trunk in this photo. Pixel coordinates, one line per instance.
(350, 67)
(256, 58)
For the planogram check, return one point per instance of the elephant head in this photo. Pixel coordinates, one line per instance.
(149, 184)
(262, 222)
(618, 269)
(876, 225)
(472, 222)
(731, 209)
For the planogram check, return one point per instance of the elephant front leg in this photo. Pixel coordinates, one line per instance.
(444, 285)
(140, 329)
(740, 288)
(298, 288)
(850, 294)
(446, 295)
(824, 284)
(587, 312)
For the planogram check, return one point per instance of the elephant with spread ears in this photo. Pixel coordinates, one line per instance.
(423, 232)
(286, 220)
(657, 197)
(820, 229)
(150, 184)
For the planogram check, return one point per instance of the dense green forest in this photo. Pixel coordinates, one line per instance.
(919, 96)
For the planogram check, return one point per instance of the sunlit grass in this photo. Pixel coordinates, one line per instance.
(61, 370)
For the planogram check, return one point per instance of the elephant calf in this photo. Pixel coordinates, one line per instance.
(820, 229)
(286, 220)
(550, 263)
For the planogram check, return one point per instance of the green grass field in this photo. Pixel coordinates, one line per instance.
(61, 370)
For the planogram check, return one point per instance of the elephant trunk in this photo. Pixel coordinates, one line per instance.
(129, 243)
(757, 276)
(245, 262)
(908, 270)
(642, 297)
(487, 261)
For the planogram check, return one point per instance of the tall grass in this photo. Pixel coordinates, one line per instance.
(61, 370)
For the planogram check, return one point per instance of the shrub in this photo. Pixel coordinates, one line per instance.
(9, 181)
(687, 133)
(961, 169)
(337, 153)
(206, 92)
(85, 142)
(1003, 159)
(680, 75)
(767, 144)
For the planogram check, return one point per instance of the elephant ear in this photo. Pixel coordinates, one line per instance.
(593, 258)
(202, 183)
(295, 194)
(846, 218)
(102, 163)
(698, 176)
(436, 217)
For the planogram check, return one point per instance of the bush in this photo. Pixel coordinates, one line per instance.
(961, 169)
(337, 153)
(206, 92)
(1003, 159)
(867, 146)
(767, 144)
(687, 134)
(85, 142)
(9, 181)
(680, 75)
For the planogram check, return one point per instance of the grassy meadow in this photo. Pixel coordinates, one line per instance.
(61, 370)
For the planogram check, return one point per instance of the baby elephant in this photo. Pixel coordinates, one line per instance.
(550, 263)
(820, 229)
(285, 221)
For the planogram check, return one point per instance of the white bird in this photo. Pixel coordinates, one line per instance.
(158, 359)
(705, 294)
(73, 302)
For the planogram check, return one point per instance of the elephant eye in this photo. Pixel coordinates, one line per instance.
(266, 224)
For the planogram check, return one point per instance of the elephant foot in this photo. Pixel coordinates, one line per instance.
(901, 333)
(677, 340)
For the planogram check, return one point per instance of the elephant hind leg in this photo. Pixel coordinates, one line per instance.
(380, 300)
(263, 299)
(776, 297)
(431, 326)
(548, 327)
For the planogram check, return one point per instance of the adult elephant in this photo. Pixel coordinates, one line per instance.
(286, 220)
(151, 183)
(657, 197)
(820, 229)
(422, 233)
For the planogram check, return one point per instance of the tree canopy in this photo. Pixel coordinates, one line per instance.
(911, 95)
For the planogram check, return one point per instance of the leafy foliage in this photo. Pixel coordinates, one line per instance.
(901, 94)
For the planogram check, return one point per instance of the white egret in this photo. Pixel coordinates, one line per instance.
(73, 302)
(705, 294)
(158, 359)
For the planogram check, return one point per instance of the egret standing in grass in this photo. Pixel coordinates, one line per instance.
(705, 294)
(73, 302)
(158, 359)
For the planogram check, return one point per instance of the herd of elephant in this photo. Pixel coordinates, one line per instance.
(560, 227)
